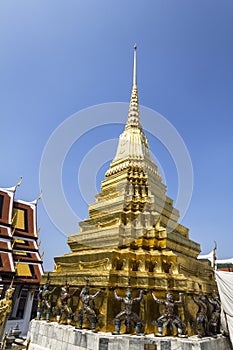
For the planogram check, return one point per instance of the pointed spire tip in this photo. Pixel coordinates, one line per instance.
(135, 66)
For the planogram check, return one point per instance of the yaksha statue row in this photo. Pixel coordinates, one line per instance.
(44, 302)
(86, 311)
(63, 309)
(167, 323)
(130, 318)
(208, 321)
(169, 320)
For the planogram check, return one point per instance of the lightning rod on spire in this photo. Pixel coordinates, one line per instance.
(135, 66)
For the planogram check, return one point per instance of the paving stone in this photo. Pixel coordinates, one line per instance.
(66, 336)
(44, 342)
(92, 341)
(72, 338)
(77, 337)
(50, 330)
(83, 341)
(59, 345)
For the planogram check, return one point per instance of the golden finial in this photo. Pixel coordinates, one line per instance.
(37, 232)
(215, 245)
(38, 198)
(133, 114)
(19, 183)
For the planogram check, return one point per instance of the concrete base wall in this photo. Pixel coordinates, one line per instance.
(52, 336)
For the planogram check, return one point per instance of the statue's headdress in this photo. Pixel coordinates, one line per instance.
(47, 280)
(201, 290)
(169, 294)
(10, 290)
(86, 288)
(67, 284)
(12, 281)
(129, 288)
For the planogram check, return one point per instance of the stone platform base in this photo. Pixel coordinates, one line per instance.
(52, 336)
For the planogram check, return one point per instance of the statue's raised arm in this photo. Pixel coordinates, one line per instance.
(93, 296)
(159, 301)
(117, 297)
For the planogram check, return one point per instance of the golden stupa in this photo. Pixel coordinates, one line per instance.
(133, 230)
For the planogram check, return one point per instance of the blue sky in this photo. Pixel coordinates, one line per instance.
(59, 57)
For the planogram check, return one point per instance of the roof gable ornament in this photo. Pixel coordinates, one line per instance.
(14, 188)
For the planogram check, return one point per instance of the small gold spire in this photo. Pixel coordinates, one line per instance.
(38, 232)
(38, 198)
(18, 184)
(133, 114)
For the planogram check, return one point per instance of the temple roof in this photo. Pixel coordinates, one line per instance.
(19, 249)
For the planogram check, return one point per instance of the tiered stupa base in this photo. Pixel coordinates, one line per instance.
(160, 271)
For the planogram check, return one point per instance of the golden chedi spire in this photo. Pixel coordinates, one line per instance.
(133, 229)
(133, 148)
(133, 115)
